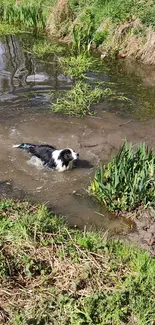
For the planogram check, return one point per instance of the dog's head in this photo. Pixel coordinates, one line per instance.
(69, 155)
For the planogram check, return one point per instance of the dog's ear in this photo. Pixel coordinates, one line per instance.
(67, 155)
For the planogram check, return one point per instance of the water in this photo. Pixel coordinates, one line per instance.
(26, 116)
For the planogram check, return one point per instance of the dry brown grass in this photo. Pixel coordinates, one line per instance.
(60, 19)
(126, 42)
(79, 278)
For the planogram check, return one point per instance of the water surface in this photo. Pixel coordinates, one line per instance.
(26, 116)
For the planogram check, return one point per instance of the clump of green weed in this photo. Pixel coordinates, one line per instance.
(44, 47)
(7, 29)
(83, 32)
(128, 180)
(99, 37)
(78, 100)
(77, 66)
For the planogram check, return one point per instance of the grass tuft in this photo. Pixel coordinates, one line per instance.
(8, 29)
(128, 180)
(83, 31)
(77, 66)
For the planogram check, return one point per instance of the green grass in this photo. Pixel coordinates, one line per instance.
(7, 29)
(128, 180)
(91, 15)
(77, 66)
(117, 10)
(51, 274)
(78, 100)
(25, 14)
(83, 31)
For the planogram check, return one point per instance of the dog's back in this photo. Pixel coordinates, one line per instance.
(43, 151)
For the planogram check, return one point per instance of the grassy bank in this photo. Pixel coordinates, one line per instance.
(124, 27)
(116, 27)
(117, 10)
(51, 274)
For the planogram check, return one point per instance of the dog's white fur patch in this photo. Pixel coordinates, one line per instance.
(60, 167)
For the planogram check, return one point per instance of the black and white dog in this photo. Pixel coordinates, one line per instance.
(59, 160)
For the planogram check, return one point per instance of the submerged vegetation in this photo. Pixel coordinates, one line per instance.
(51, 274)
(78, 100)
(128, 180)
(77, 66)
(43, 47)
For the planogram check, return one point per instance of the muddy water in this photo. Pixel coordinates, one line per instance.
(25, 117)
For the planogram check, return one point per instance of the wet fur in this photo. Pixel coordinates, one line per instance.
(59, 160)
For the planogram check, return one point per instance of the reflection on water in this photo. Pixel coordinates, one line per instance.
(25, 81)
(13, 64)
(137, 82)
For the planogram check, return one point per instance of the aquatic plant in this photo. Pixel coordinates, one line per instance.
(128, 180)
(52, 274)
(77, 66)
(78, 100)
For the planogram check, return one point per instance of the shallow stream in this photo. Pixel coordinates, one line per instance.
(26, 116)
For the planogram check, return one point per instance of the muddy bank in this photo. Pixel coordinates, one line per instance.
(125, 41)
(144, 236)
